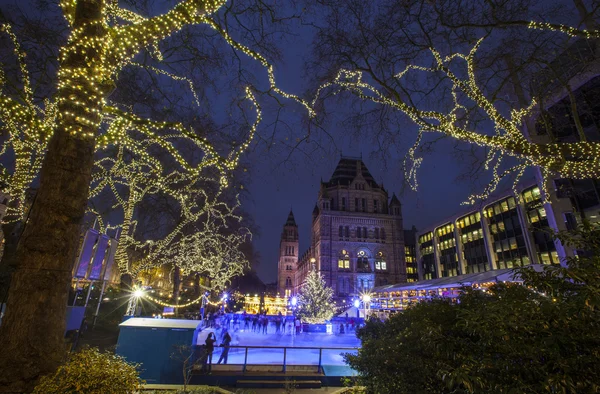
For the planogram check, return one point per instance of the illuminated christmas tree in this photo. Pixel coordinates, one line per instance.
(315, 300)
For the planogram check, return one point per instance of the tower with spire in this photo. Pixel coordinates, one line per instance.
(288, 257)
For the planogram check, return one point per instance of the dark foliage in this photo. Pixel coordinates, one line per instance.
(542, 336)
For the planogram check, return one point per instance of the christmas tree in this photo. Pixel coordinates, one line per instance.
(316, 303)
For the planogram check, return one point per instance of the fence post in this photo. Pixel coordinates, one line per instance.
(245, 359)
(320, 358)
(284, 357)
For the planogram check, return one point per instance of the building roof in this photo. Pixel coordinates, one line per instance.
(499, 275)
(394, 200)
(347, 170)
(290, 220)
(160, 323)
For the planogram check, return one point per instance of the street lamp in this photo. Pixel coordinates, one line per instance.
(133, 301)
(356, 305)
(366, 303)
(224, 299)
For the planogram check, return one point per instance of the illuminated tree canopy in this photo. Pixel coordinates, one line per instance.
(425, 61)
(136, 156)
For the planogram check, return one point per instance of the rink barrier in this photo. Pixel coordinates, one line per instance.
(284, 365)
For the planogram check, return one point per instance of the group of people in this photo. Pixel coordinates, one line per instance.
(203, 352)
(347, 326)
(259, 322)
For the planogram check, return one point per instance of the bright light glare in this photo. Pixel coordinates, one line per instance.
(367, 298)
(356, 303)
(138, 293)
(294, 301)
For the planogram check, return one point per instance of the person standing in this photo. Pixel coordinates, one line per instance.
(297, 326)
(225, 344)
(210, 348)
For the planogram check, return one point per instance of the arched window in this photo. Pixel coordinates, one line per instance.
(380, 264)
(288, 282)
(362, 262)
(344, 260)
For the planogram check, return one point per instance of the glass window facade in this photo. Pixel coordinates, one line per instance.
(507, 234)
(538, 224)
(411, 263)
(428, 258)
(473, 244)
(447, 250)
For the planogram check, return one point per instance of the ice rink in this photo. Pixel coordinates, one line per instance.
(295, 356)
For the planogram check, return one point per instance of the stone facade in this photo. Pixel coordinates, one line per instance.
(357, 239)
(288, 257)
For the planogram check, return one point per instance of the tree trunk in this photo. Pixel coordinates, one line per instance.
(176, 286)
(12, 233)
(32, 332)
(33, 329)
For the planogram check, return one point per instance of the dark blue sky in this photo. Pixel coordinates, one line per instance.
(279, 183)
(274, 191)
(282, 179)
(277, 186)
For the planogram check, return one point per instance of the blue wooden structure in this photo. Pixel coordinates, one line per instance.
(152, 343)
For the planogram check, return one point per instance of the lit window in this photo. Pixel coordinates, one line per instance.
(344, 260)
(380, 264)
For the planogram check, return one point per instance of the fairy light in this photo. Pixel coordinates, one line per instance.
(578, 160)
(175, 306)
(95, 52)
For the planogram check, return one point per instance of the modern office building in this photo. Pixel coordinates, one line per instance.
(480, 246)
(505, 232)
(569, 113)
(410, 255)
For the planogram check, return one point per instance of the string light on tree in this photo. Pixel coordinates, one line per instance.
(578, 160)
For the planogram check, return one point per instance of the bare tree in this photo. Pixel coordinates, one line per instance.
(454, 68)
(74, 115)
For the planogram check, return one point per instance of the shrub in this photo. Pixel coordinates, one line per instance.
(539, 337)
(92, 372)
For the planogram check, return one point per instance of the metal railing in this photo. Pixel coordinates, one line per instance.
(285, 349)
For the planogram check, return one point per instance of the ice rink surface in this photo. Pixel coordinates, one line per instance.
(295, 356)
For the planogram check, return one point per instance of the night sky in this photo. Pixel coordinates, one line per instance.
(280, 183)
(284, 178)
